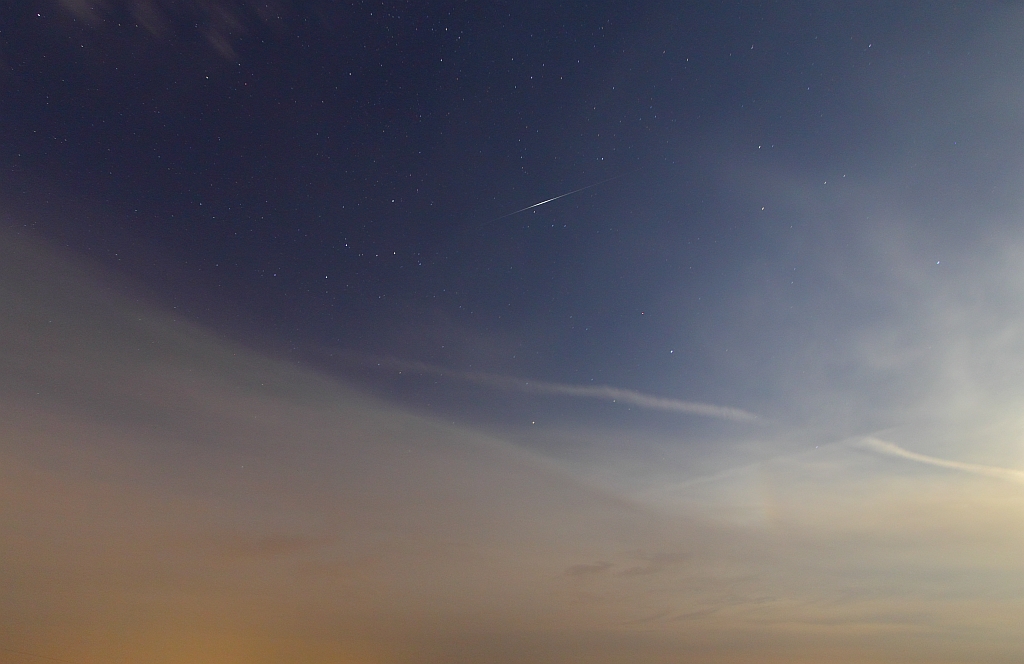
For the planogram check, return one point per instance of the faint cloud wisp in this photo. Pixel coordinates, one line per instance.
(604, 392)
(891, 449)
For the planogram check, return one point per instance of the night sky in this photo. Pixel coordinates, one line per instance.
(442, 332)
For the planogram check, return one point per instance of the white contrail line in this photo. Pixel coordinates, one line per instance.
(638, 399)
(604, 392)
(891, 449)
(574, 191)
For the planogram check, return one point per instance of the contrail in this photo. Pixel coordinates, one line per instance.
(602, 392)
(574, 191)
(886, 447)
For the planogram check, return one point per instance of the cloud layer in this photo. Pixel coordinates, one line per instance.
(169, 496)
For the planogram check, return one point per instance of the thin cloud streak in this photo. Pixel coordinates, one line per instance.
(891, 449)
(603, 392)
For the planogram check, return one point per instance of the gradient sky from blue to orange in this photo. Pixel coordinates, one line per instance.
(279, 381)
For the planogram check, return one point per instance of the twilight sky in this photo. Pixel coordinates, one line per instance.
(413, 333)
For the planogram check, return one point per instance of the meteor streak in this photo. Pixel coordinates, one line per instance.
(574, 191)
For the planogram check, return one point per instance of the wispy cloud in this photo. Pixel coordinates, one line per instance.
(892, 449)
(224, 23)
(604, 392)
